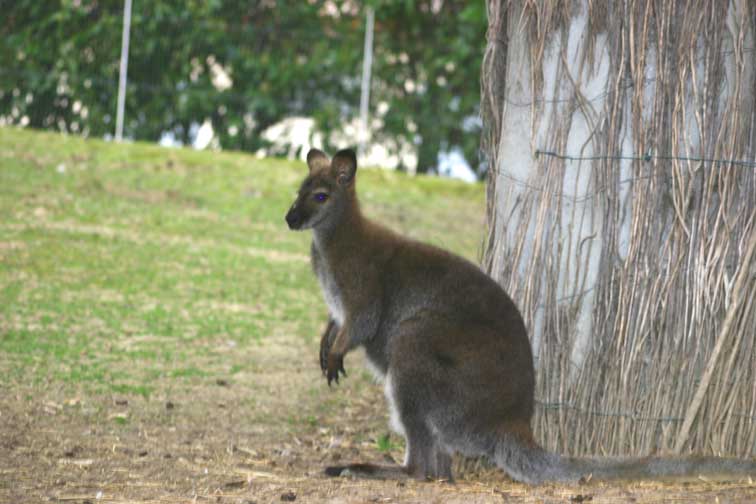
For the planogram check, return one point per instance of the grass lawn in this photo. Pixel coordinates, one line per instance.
(159, 328)
(128, 268)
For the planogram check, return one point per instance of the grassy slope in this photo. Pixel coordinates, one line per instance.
(129, 267)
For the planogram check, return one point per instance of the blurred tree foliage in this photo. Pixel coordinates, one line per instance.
(59, 67)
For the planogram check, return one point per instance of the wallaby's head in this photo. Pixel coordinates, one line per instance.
(327, 192)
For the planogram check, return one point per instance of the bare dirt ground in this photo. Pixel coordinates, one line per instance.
(262, 436)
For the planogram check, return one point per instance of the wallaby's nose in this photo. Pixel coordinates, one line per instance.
(293, 219)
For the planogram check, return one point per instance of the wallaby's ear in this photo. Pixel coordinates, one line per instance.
(317, 160)
(344, 165)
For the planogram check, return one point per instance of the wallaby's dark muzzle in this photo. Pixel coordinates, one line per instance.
(294, 219)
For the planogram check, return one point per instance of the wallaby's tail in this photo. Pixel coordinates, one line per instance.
(657, 468)
(524, 460)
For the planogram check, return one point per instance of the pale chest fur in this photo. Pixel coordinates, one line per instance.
(329, 286)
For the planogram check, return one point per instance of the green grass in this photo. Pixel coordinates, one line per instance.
(123, 266)
(384, 444)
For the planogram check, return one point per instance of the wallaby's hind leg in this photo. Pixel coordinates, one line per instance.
(424, 459)
(423, 462)
(443, 466)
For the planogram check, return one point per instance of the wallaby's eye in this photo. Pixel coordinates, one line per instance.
(320, 197)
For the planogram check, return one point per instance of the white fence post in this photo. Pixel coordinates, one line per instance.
(367, 64)
(123, 70)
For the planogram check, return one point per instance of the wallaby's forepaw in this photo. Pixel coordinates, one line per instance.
(325, 345)
(323, 356)
(334, 366)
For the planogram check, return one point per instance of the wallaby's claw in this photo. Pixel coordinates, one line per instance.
(333, 378)
(334, 367)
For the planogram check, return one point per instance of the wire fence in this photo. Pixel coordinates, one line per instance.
(648, 157)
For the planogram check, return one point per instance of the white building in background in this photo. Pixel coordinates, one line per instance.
(293, 137)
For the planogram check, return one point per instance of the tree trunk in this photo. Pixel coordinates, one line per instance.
(621, 138)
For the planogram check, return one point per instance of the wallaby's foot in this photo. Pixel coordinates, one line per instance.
(334, 366)
(372, 471)
(375, 471)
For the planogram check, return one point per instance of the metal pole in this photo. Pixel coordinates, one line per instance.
(123, 70)
(367, 64)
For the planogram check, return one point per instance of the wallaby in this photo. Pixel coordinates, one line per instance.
(449, 343)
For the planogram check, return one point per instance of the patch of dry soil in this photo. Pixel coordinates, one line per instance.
(263, 435)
